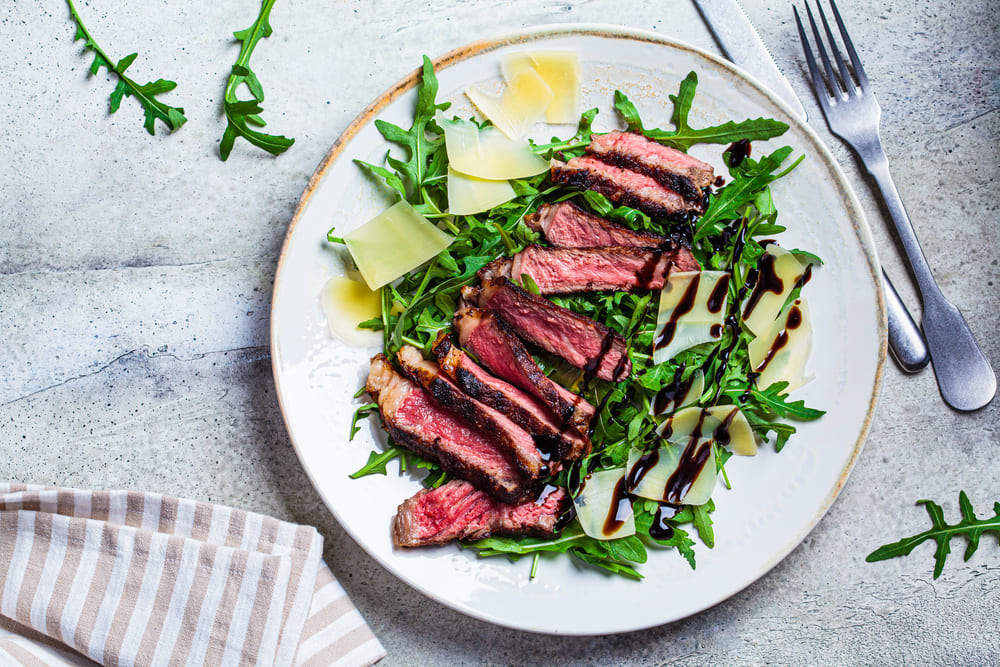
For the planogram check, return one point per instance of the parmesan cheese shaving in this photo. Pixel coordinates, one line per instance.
(393, 243)
(594, 506)
(521, 105)
(780, 351)
(655, 482)
(468, 194)
(561, 71)
(487, 153)
(685, 318)
(784, 267)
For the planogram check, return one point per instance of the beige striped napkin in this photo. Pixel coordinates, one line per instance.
(129, 578)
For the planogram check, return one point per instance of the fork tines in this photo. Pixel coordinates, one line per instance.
(844, 86)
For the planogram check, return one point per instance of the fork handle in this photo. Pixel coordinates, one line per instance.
(877, 163)
(964, 375)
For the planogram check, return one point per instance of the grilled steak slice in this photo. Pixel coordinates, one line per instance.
(459, 511)
(578, 339)
(500, 350)
(519, 442)
(567, 270)
(566, 225)
(495, 269)
(415, 421)
(521, 407)
(625, 187)
(676, 170)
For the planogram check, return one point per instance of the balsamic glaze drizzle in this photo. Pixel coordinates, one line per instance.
(682, 308)
(620, 511)
(717, 299)
(668, 397)
(768, 280)
(721, 433)
(792, 321)
(692, 462)
(738, 151)
(641, 467)
(661, 529)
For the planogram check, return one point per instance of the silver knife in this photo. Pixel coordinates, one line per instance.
(742, 44)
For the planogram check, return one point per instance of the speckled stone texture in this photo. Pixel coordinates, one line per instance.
(135, 279)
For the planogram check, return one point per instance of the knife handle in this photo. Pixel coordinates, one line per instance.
(906, 342)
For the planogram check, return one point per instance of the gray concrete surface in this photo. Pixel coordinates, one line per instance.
(135, 278)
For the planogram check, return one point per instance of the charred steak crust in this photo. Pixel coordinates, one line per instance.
(504, 431)
(438, 435)
(580, 340)
(500, 350)
(682, 185)
(670, 167)
(458, 511)
(522, 408)
(500, 267)
(625, 187)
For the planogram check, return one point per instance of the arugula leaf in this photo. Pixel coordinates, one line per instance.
(574, 144)
(681, 541)
(241, 114)
(778, 403)
(722, 455)
(806, 256)
(360, 414)
(377, 461)
(390, 178)
(419, 145)
(684, 136)
(942, 532)
(613, 555)
(436, 478)
(529, 284)
(703, 523)
(728, 203)
(762, 427)
(145, 94)
(628, 112)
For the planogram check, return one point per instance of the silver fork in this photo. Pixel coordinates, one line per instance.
(964, 375)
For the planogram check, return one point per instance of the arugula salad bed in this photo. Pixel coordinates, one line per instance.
(727, 237)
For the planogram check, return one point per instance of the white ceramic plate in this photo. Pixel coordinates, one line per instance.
(776, 498)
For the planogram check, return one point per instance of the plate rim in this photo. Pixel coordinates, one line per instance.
(479, 47)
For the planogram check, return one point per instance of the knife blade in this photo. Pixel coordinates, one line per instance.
(741, 43)
(743, 46)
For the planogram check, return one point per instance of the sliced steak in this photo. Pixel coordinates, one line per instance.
(566, 225)
(500, 350)
(567, 270)
(519, 442)
(521, 407)
(496, 269)
(581, 341)
(459, 511)
(415, 421)
(629, 188)
(678, 171)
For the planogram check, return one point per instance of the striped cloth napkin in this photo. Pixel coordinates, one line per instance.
(129, 578)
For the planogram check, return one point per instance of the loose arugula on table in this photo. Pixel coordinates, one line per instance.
(420, 305)
(146, 94)
(941, 532)
(241, 114)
